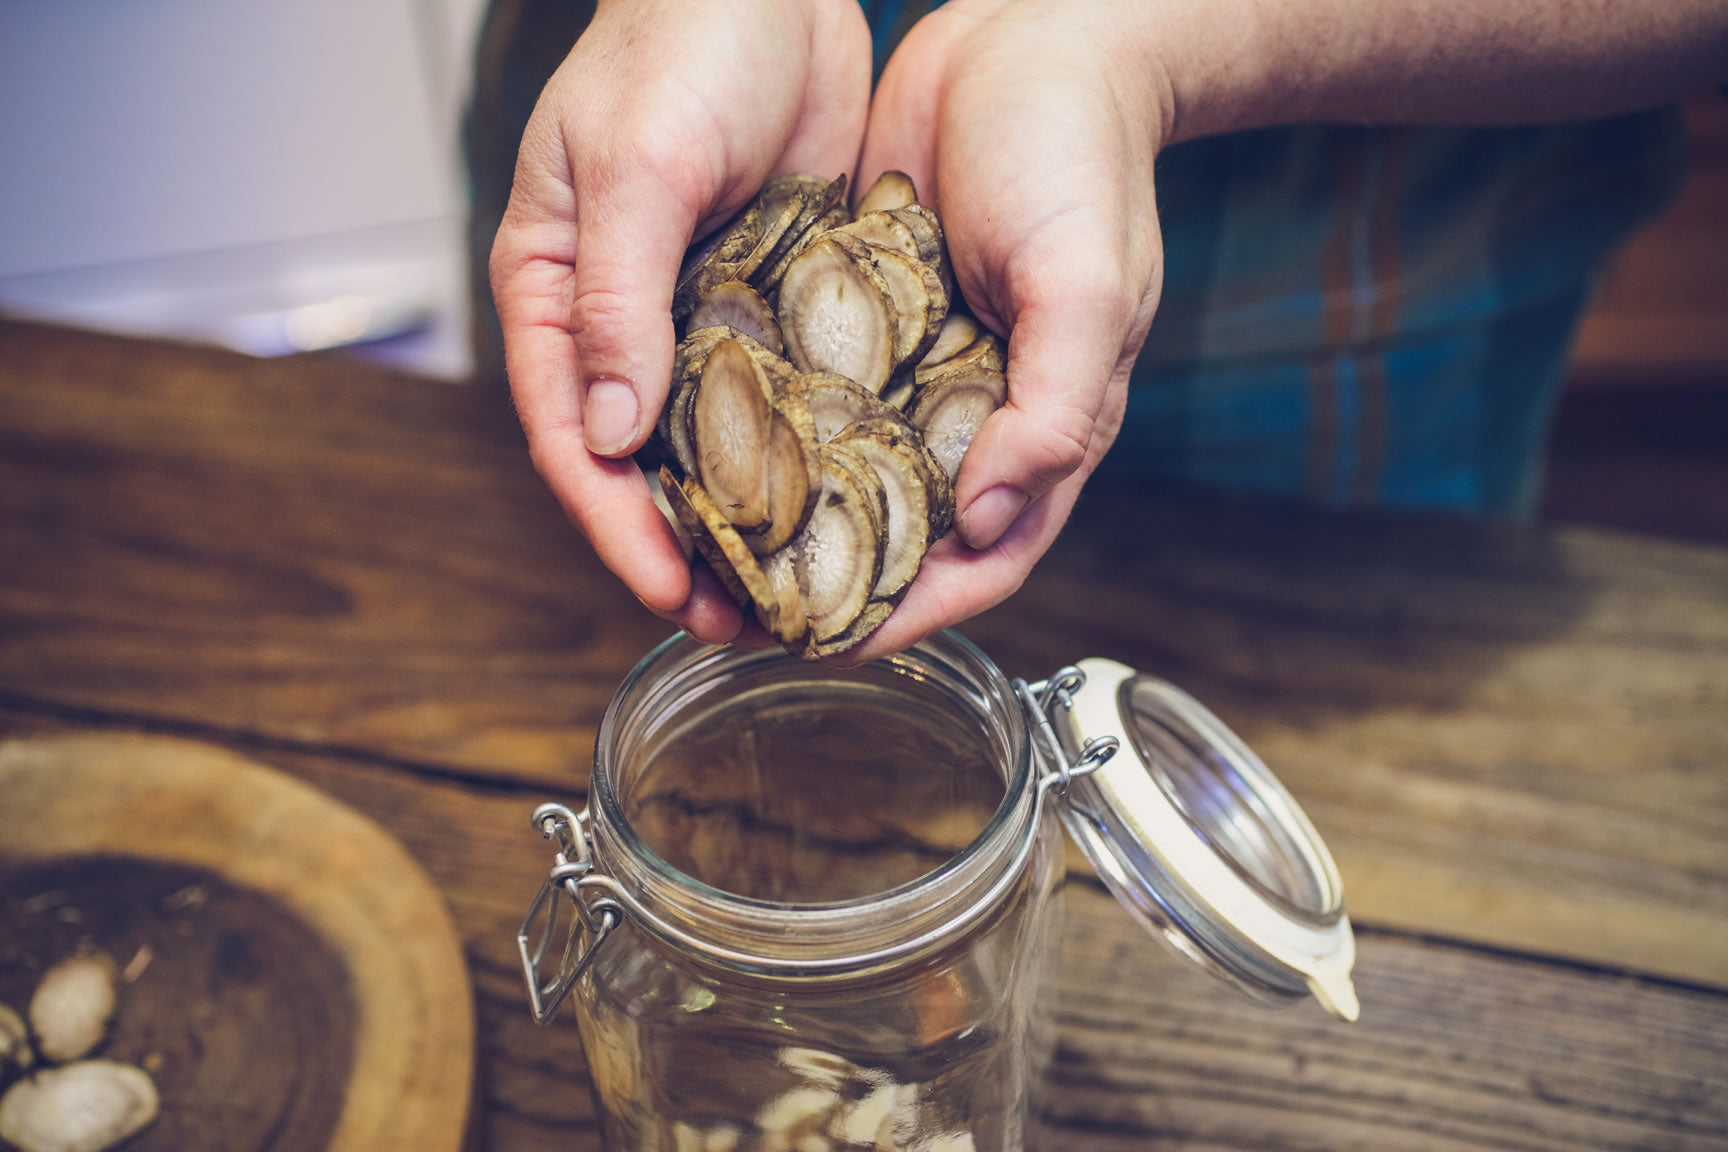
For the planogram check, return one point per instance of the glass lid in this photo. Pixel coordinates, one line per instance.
(1201, 842)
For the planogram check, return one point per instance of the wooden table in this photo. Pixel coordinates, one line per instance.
(1515, 739)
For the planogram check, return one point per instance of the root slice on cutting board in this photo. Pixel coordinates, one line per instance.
(14, 1042)
(73, 1006)
(82, 1107)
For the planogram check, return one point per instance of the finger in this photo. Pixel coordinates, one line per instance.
(631, 231)
(836, 99)
(1069, 331)
(904, 113)
(709, 614)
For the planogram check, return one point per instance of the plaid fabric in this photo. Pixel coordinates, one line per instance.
(1351, 314)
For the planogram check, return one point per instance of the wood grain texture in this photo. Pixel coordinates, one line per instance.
(78, 796)
(1516, 740)
(1509, 735)
(1458, 1048)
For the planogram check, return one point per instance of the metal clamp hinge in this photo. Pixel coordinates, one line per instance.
(1039, 700)
(595, 915)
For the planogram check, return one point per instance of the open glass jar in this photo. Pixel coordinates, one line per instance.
(816, 909)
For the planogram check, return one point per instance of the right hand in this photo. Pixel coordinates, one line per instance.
(662, 122)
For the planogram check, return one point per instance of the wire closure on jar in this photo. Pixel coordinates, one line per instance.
(572, 865)
(1058, 692)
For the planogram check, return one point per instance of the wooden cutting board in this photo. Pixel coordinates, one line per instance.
(294, 977)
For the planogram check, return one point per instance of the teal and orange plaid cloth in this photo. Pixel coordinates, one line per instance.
(1352, 315)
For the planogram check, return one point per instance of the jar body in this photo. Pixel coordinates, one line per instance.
(916, 915)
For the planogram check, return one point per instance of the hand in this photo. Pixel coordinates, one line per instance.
(663, 121)
(1032, 125)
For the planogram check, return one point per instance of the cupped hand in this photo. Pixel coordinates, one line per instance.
(1032, 126)
(663, 121)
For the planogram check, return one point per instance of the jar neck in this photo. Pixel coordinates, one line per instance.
(846, 937)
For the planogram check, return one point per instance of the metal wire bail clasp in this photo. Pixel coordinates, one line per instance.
(1039, 700)
(572, 865)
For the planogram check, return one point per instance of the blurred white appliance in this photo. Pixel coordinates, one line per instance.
(271, 176)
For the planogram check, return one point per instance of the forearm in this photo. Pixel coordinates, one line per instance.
(1227, 65)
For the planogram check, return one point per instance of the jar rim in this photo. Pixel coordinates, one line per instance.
(936, 903)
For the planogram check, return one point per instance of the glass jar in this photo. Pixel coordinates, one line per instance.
(816, 910)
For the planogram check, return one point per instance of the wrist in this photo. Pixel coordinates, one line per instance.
(1208, 60)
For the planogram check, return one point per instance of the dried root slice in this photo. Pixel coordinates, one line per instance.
(838, 556)
(738, 306)
(875, 614)
(83, 1107)
(926, 232)
(778, 216)
(790, 1119)
(884, 231)
(905, 290)
(985, 353)
(716, 261)
(687, 364)
(769, 279)
(673, 427)
(869, 1121)
(817, 1067)
(908, 474)
(950, 408)
(730, 419)
(892, 189)
(15, 1051)
(836, 455)
(906, 482)
(957, 333)
(836, 315)
(817, 201)
(920, 301)
(821, 196)
(726, 553)
(899, 391)
(794, 474)
(835, 402)
(657, 491)
(73, 1006)
(781, 570)
(693, 352)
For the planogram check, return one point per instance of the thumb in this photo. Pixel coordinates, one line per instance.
(1064, 355)
(630, 240)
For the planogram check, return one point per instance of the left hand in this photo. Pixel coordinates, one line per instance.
(1032, 126)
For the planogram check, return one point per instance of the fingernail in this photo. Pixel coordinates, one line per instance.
(991, 514)
(609, 418)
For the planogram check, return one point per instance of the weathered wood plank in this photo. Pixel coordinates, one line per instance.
(1508, 736)
(1513, 736)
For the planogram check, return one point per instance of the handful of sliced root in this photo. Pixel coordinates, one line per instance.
(825, 389)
